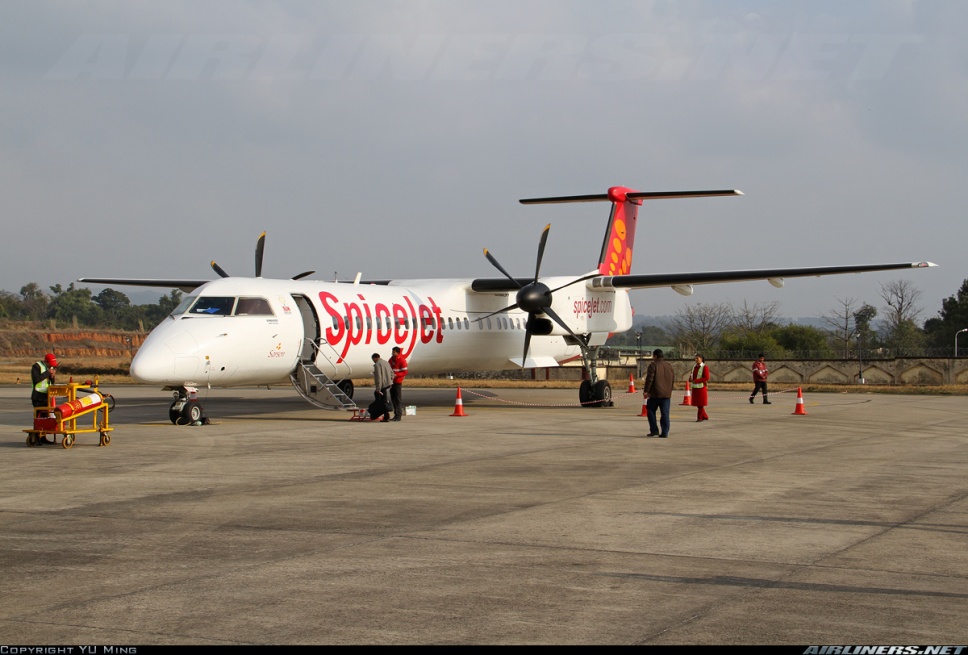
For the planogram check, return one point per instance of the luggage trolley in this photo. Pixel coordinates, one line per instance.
(64, 409)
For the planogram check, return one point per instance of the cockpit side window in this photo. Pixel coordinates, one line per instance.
(184, 305)
(213, 306)
(253, 307)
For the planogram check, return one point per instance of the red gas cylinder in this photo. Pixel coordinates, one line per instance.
(75, 406)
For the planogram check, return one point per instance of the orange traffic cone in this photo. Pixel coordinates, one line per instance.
(459, 405)
(800, 410)
(645, 409)
(687, 399)
(631, 384)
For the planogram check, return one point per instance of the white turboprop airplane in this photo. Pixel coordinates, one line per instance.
(238, 331)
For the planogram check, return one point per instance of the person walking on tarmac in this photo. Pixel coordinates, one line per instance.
(759, 379)
(398, 364)
(41, 377)
(699, 380)
(657, 391)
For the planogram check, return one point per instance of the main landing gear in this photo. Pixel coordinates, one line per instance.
(593, 392)
(346, 386)
(185, 409)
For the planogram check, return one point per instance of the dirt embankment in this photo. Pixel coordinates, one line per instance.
(81, 352)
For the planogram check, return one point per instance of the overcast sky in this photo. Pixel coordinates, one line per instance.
(145, 139)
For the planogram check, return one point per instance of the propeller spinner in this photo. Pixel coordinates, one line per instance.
(535, 297)
(260, 247)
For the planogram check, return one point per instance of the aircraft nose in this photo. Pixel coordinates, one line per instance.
(167, 359)
(149, 367)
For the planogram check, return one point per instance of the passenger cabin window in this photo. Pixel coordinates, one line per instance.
(253, 307)
(213, 306)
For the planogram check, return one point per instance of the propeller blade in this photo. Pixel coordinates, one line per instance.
(498, 266)
(260, 247)
(527, 341)
(541, 248)
(302, 275)
(557, 319)
(577, 280)
(218, 269)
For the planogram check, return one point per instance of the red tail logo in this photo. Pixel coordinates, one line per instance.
(616, 257)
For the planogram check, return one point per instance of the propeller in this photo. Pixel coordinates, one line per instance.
(535, 297)
(260, 247)
(218, 269)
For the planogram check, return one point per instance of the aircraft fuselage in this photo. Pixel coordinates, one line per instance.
(245, 331)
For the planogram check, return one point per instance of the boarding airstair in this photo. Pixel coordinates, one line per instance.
(317, 388)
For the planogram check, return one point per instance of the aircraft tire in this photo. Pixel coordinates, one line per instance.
(173, 414)
(346, 386)
(585, 393)
(602, 393)
(192, 413)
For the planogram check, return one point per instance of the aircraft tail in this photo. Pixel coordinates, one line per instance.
(616, 255)
(617, 248)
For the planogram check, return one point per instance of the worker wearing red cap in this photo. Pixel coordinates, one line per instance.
(42, 375)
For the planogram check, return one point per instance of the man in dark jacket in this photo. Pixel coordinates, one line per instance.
(657, 391)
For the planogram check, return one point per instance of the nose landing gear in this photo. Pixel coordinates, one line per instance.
(185, 409)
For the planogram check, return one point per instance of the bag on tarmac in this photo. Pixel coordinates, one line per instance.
(379, 407)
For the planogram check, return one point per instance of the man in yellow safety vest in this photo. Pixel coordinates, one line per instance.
(41, 376)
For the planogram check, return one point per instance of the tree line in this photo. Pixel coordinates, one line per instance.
(851, 328)
(79, 307)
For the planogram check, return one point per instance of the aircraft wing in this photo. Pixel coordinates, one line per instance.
(774, 275)
(186, 286)
(499, 283)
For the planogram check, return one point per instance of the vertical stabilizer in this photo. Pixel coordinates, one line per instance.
(616, 256)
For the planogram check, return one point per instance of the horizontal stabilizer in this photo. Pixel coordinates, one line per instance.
(632, 195)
